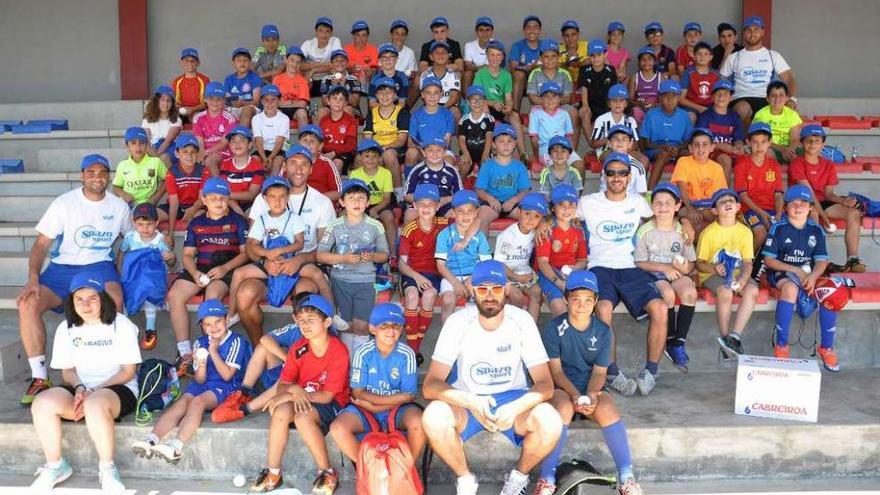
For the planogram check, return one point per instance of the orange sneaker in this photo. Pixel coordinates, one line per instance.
(782, 351)
(149, 340)
(230, 410)
(266, 482)
(828, 357)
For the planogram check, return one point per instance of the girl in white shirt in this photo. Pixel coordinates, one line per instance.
(162, 123)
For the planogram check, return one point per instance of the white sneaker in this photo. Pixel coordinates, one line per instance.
(340, 324)
(168, 453)
(515, 487)
(111, 483)
(466, 486)
(622, 384)
(645, 382)
(48, 477)
(143, 448)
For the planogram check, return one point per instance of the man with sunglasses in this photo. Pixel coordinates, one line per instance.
(490, 345)
(612, 218)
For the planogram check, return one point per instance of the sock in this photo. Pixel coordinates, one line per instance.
(612, 369)
(105, 465)
(184, 348)
(150, 311)
(828, 326)
(274, 471)
(38, 367)
(670, 326)
(246, 391)
(411, 316)
(425, 318)
(651, 366)
(55, 464)
(784, 312)
(615, 438)
(245, 408)
(153, 438)
(735, 336)
(466, 481)
(517, 477)
(683, 322)
(175, 443)
(548, 466)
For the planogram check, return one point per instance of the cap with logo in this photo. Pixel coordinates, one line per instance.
(269, 31)
(189, 52)
(426, 191)
(582, 280)
(85, 279)
(135, 134)
(215, 89)
(667, 187)
(318, 302)
(145, 210)
(560, 141)
(620, 128)
(646, 50)
(164, 90)
(548, 46)
(270, 90)
(439, 21)
(616, 26)
(324, 21)
(350, 184)
(438, 44)
(387, 48)
(670, 86)
(388, 312)
(313, 130)
(475, 90)
(812, 130)
(369, 145)
(618, 92)
(360, 25)
(692, 26)
(550, 87)
(484, 21)
(272, 181)
(799, 192)
(653, 26)
(502, 129)
(534, 201)
(760, 128)
(570, 24)
(722, 193)
(489, 272)
(754, 20)
(240, 130)
(186, 139)
(563, 192)
(596, 47)
(210, 307)
(616, 157)
(431, 81)
(241, 51)
(722, 84)
(338, 53)
(215, 185)
(399, 23)
(298, 149)
(701, 131)
(531, 18)
(465, 197)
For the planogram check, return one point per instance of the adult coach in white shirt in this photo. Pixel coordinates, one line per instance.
(86, 222)
(316, 212)
(753, 68)
(490, 345)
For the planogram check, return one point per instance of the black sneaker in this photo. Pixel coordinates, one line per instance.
(730, 346)
(420, 359)
(184, 365)
(855, 265)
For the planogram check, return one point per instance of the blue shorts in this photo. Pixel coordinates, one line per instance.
(548, 288)
(270, 376)
(409, 282)
(381, 418)
(633, 286)
(57, 277)
(652, 153)
(473, 426)
(221, 390)
(326, 414)
(754, 221)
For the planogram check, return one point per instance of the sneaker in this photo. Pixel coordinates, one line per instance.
(340, 324)
(730, 346)
(184, 364)
(420, 359)
(514, 487)
(828, 357)
(230, 409)
(621, 384)
(645, 382)
(37, 385)
(168, 453)
(266, 482)
(111, 483)
(149, 340)
(544, 487)
(678, 356)
(48, 477)
(834, 268)
(630, 487)
(143, 448)
(782, 351)
(855, 265)
(325, 483)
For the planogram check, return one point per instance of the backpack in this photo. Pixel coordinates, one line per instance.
(158, 387)
(385, 465)
(579, 477)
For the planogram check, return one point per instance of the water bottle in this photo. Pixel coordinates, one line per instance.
(854, 155)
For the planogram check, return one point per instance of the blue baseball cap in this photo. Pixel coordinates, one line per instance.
(215, 185)
(338, 88)
(439, 21)
(135, 134)
(550, 87)
(760, 127)
(215, 89)
(211, 307)
(295, 50)
(240, 130)
(646, 50)
(269, 31)
(560, 141)
(692, 26)
(387, 313)
(667, 187)
(616, 157)
(570, 24)
(360, 25)
(563, 192)
(653, 26)
(438, 44)
(531, 17)
(324, 21)
(534, 201)
(339, 53)
(596, 47)
(616, 26)
(145, 210)
(475, 90)
(495, 44)
(298, 149)
(812, 130)
(189, 52)
(426, 191)
(548, 46)
(465, 197)
(274, 180)
(754, 20)
(722, 84)
(503, 129)
(241, 51)
(618, 92)
(484, 21)
(489, 272)
(318, 302)
(164, 90)
(385, 82)
(370, 144)
(701, 131)
(270, 90)
(350, 184)
(388, 48)
(399, 23)
(313, 130)
(799, 192)
(721, 193)
(670, 86)
(625, 129)
(85, 279)
(186, 139)
(435, 140)
(582, 280)
(431, 81)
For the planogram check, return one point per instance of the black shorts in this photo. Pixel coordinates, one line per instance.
(410, 282)
(498, 115)
(180, 209)
(184, 275)
(827, 204)
(754, 102)
(315, 90)
(389, 207)
(347, 160)
(127, 399)
(501, 214)
(290, 111)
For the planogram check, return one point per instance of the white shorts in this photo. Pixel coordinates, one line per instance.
(446, 286)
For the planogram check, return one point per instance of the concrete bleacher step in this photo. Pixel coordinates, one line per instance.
(68, 160)
(23, 208)
(117, 114)
(27, 146)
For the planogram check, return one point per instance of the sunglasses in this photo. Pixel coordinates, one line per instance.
(618, 173)
(484, 290)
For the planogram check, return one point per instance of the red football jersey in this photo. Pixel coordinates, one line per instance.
(565, 247)
(324, 176)
(189, 91)
(340, 136)
(327, 373)
(419, 245)
(819, 176)
(761, 183)
(241, 179)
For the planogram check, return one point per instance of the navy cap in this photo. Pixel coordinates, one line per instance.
(427, 191)
(496, 45)
(582, 280)
(721, 193)
(503, 129)
(388, 48)
(298, 149)
(570, 24)
(596, 47)
(215, 89)
(215, 185)
(625, 129)
(241, 51)
(799, 192)
(164, 90)
(465, 197)
(548, 46)
(369, 144)
(145, 210)
(475, 90)
(274, 180)
(692, 26)
(295, 50)
(438, 44)
(531, 17)
(812, 130)
(431, 81)
(385, 82)
(240, 130)
(618, 92)
(754, 20)
(560, 141)
(338, 88)
(667, 187)
(616, 157)
(563, 192)
(484, 21)
(313, 130)
(760, 127)
(270, 90)
(189, 52)
(534, 201)
(434, 140)
(653, 26)
(701, 131)
(324, 21)
(398, 23)
(387, 313)
(85, 279)
(210, 307)
(360, 25)
(550, 87)
(269, 31)
(670, 86)
(646, 50)
(439, 21)
(135, 134)
(350, 184)
(338, 53)
(722, 84)
(318, 302)
(616, 26)
(186, 139)
(725, 26)
(702, 45)
(489, 272)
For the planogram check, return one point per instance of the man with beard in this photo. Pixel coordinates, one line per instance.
(490, 345)
(88, 221)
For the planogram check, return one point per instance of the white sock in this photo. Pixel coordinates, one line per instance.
(184, 348)
(38, 367)
(466, 480)
(55, 464)
(105, 465)
(153, 438)
(175, 443)
(517, 477)
(150, 311)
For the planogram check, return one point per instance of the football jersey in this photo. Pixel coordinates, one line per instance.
(454, 50)
(313, 208)
(474, 131)
(241, 88)
(424, 125)
(495, 87)
(419, 245)
(503, 181)
(264, 61)
(523, 54)
(820, 175)
(447, 179)
(662, 128)
(726, 128)
(563, 247)
(701, 179)
(132, 241)
(401, 84)
(538, 77)
(234, 349)
(546, 125)
(514, 249)
(664, 57)
(611, 228)
(351, 82)
(189, 91)
(324, 176)
(267, 227)
(212, 129)
(578, 350)
(548, 180)
(340, 136)
(461, 263)
(186, 186)
(241, 179)
(597, 82)
(379, 185)
(780, 125)
(292, 88)
(287, 335)
(699, 86)
(216, 240)
(385, 130)
(605, 121)
(736, 238)
(662, 246)
(796, 246)
(761, 183)
(140, 179)
(340, 237)
(396, 373)
(328, 373)
(683, 59)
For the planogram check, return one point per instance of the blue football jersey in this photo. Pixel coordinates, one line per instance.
(397, 373)
(578, 351)
(236, 352)
(794, 246)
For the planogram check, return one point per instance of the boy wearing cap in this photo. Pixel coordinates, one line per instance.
(644, 85)
(454, 265)
(665, 56)
(475, 51)
(406, 57)
(475, 131)
(574, 53)
(616, 115)
(222, 356)
(363, 56)
(189, 87)
(686, 54)
(210, 128)
(564, 249)
(502, 181)
(340, 129)
(785, 122)
(272, 129)
(388, 124)
(819, 174)
(145, 235)
(324, 176)
(525, 56)
(547, 120)
(242, 88)
(384, 381)
(437, 171)
(594, 82)
(450, 80)
(318, 52)
(182, 184)
(269, 57)
(351, 246)
(139, 178)
(294, 88)
(697, 81)
(243, 171)
(725, 125)
(698, 178)
(726, 44)
(579, 346)
(428, 122)
(496, 84)
(514, 247)
(549, 70)
(621, 139)
(440, 33)
(380, 184)
(757, 178)
(728, 235)
(340, 79)
(388, 70)
(558, 171)
(665, 130)
(214, 246)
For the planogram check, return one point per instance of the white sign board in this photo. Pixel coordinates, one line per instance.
(778, 388)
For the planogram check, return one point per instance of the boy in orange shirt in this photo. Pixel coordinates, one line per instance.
(363, 58)
(189, 86)
(698, 177)
(294, 88)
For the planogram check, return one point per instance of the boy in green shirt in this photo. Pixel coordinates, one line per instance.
(497, 82)
(785, 123)
(139, 178)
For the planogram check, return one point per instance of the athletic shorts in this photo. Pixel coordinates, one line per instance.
(410, 282)
(653, 152)
(56, 277)
(270, 376)
(381, 418)
(290, 111)
(548, 288)
(127, 399)
(496, 114)
(446, 286)
(632, 286)
(572, 157)
(501, 214)
(827, 204)
(347, 160)
(220, 389)
(473, 426)
(184, 275)
(754, 221)
(326, 414)
(756, 103)
(180, 210)
(354, 301)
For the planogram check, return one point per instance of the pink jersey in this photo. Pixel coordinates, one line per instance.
(616, 58)
(213, 129)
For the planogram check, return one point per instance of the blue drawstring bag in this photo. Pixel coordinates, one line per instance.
(730, 262)
(279, 286)
(144, 278)
(833, 154)
(870, 207)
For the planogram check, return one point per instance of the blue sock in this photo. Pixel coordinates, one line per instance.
(615, 438)
(828, 326)
(651, 367)
(784, 312)
(612, 369)
(548, 467)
